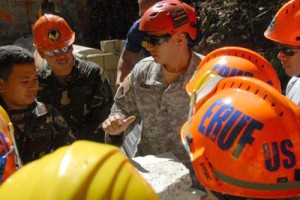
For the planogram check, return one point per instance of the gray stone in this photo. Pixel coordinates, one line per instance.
(168, 177)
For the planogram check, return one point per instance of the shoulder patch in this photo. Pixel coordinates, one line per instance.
(126, 84)
(41, 109)
(124, 88)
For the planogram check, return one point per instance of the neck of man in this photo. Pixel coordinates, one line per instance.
(180, 62)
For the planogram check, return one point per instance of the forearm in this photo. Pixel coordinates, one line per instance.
(125, 65)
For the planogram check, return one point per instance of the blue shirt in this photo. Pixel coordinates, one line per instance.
(134, 39)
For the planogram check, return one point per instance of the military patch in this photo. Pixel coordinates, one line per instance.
(124, 88)
(59, 120)
(54, 35)
(126, 84)
(40, 109)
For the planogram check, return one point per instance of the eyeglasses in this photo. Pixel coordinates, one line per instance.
(287, 51)
(56, 52)
(155, 40)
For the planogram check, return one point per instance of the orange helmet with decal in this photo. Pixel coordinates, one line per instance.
(245, 140)
(284, 28)
(52, 32)
(237, 61)
(171, 16)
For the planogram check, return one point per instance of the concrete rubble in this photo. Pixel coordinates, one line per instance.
(169, 177)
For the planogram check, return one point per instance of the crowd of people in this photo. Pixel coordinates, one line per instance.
(222, 115)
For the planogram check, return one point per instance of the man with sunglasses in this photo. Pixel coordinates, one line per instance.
(78, 89)
(284, 30)
(154, 91)
(133, 45)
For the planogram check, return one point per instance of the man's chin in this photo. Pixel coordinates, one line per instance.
(290, 74)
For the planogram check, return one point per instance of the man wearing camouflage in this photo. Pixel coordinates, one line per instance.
(154, 92)
(39, 128)
(78, 89)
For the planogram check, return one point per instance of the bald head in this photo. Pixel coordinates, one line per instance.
(144, 5)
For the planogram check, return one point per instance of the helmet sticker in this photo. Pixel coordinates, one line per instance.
(54, 35)
(180, 17)
(272, 26)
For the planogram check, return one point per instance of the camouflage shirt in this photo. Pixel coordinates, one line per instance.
(84, 101)
(161, 107)
(40, 129)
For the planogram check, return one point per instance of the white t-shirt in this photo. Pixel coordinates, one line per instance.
(293, 90)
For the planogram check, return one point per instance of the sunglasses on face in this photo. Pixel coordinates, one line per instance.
(155, 40)
(56, 52)
(287, 51)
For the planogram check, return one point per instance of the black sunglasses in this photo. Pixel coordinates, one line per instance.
(59, 51)
(287, 51)
(155, 40)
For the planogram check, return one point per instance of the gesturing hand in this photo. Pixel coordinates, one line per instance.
(116, 124)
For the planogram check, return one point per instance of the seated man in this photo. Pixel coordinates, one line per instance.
(39, 128)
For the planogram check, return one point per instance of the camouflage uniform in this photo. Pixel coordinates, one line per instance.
(84, 101)
(162, 108)
(39, 129)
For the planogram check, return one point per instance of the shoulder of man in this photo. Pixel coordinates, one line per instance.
(138, 74)
(135, 26)
(292, 82)
(89, 68)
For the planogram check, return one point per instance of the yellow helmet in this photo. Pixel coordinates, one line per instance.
(83, 170)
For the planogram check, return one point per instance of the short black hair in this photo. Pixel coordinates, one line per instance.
(11, 55)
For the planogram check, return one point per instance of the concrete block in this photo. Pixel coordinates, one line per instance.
(110, 61)
(110, 46)
(85, 50)
(96, 58)
(122, 45)
(164, 172)
(80, 56)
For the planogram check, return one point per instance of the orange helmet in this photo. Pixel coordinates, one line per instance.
(172, 16)
(8, 158)
(52, 32)
(245, 140)
(236, 61)
(284, 28)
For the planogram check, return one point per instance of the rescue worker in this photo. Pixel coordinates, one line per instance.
(84, 170)
(133, 45)
(154, 91)
(39, 128)
(284, 30)
(76, 88)
(239, 147)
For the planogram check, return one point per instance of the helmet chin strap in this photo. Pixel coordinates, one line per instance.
(203, 89)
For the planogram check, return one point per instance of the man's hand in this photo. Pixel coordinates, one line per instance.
(116, 124)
